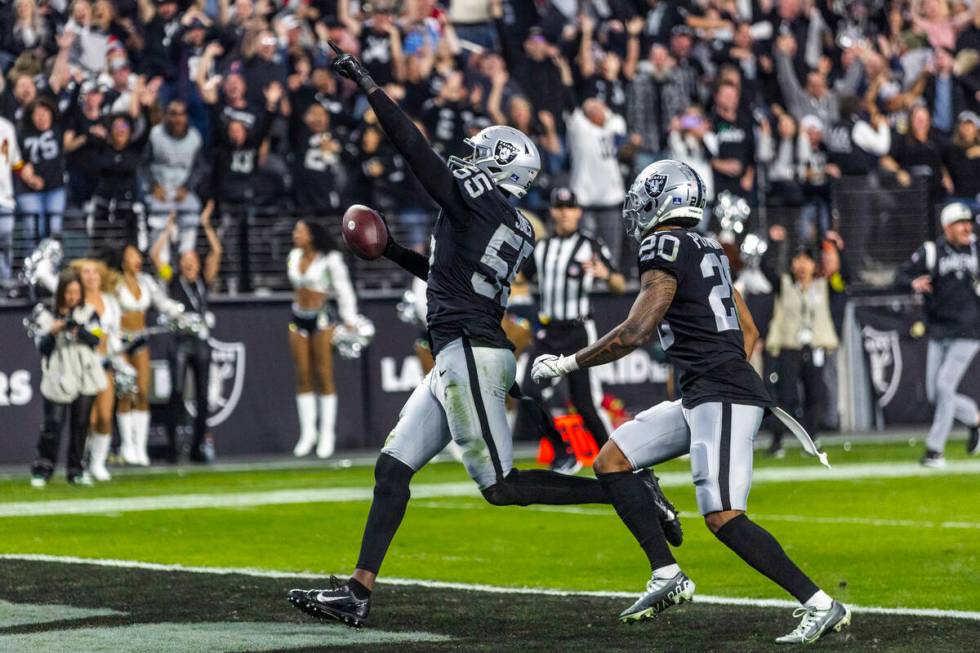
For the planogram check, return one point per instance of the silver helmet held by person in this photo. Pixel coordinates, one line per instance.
(508, 155)
(667, 191)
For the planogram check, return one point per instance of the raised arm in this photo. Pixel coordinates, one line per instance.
(212, 263)
(164, 271)
(428, 166)
(657, 288)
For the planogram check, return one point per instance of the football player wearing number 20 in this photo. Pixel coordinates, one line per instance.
(479, 243)
(686, 294)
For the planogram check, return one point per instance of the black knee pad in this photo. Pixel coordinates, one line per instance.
(391, 477)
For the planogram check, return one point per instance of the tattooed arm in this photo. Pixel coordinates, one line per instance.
(657, 289)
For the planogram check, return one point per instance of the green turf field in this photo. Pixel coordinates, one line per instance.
(874, 531)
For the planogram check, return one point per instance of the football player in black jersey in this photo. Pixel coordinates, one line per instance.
(686, 293)
(479, 242)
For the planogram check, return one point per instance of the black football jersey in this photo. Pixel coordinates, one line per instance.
(472, 262)
(701, 333)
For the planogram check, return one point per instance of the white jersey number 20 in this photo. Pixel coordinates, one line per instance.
(726, 319)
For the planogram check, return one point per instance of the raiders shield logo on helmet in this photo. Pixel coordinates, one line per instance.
(504, 152)
(226, 380)
(655, 185)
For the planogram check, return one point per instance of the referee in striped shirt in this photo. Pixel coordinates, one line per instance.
(565, 266)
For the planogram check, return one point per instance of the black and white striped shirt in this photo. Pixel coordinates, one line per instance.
(563, 283)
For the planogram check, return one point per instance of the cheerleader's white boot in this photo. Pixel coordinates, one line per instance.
(127, 446)
(306, 407)
(328, 419)
(141, 437)
(98, 450)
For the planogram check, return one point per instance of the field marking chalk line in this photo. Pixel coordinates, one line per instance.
(232, 500)
(476, 587)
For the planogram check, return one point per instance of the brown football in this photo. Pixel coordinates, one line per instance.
(364, 232)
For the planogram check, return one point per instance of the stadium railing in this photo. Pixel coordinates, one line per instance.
(881, 226)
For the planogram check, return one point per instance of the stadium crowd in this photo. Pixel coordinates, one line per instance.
(129, 110)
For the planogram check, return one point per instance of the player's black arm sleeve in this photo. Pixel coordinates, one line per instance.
(408, 259)
(657, 288)
(428, 167)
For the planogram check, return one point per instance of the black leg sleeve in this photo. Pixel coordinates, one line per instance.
(580, 388)
(49, 441)
(391, 494)
(175, 407)
(632, 502)
(756, 546)
(81, 414)
(815, 391)
(202, 376)
(527, 487)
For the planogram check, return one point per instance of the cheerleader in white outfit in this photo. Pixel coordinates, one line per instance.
(316, 271)
(136, 293)
(97, 284)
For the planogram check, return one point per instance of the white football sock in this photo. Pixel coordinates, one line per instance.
(328, 418)
(821, 601)
(306, 407)
(668, 572)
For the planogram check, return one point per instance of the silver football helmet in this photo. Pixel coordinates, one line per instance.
(666, 191)
(507, 155)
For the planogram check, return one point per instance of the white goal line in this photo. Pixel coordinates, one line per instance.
(474, 587)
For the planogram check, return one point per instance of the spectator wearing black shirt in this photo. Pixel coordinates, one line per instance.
(658, 18)
(544, 75)
(161, 33)
(817, 174)
(25, 30)
(237, 156)
(392, 185)
(226, 96)
(605, 81)
(919, 154)
(944, 95)
(962, 160)
(732, 144)
(321, 88)
(263, 66)
(380, 41)
(42, 139)
(116, 196)
(446, 115)
(84, 133)
(315, 163)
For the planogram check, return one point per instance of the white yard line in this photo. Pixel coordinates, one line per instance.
(476, 587)
(233, 500)
(607, 512)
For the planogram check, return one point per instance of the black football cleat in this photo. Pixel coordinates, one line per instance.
(566, 463)
(337, 603)
(669, 519)
(660, 594)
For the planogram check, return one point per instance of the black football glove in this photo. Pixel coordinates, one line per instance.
(347, 66)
